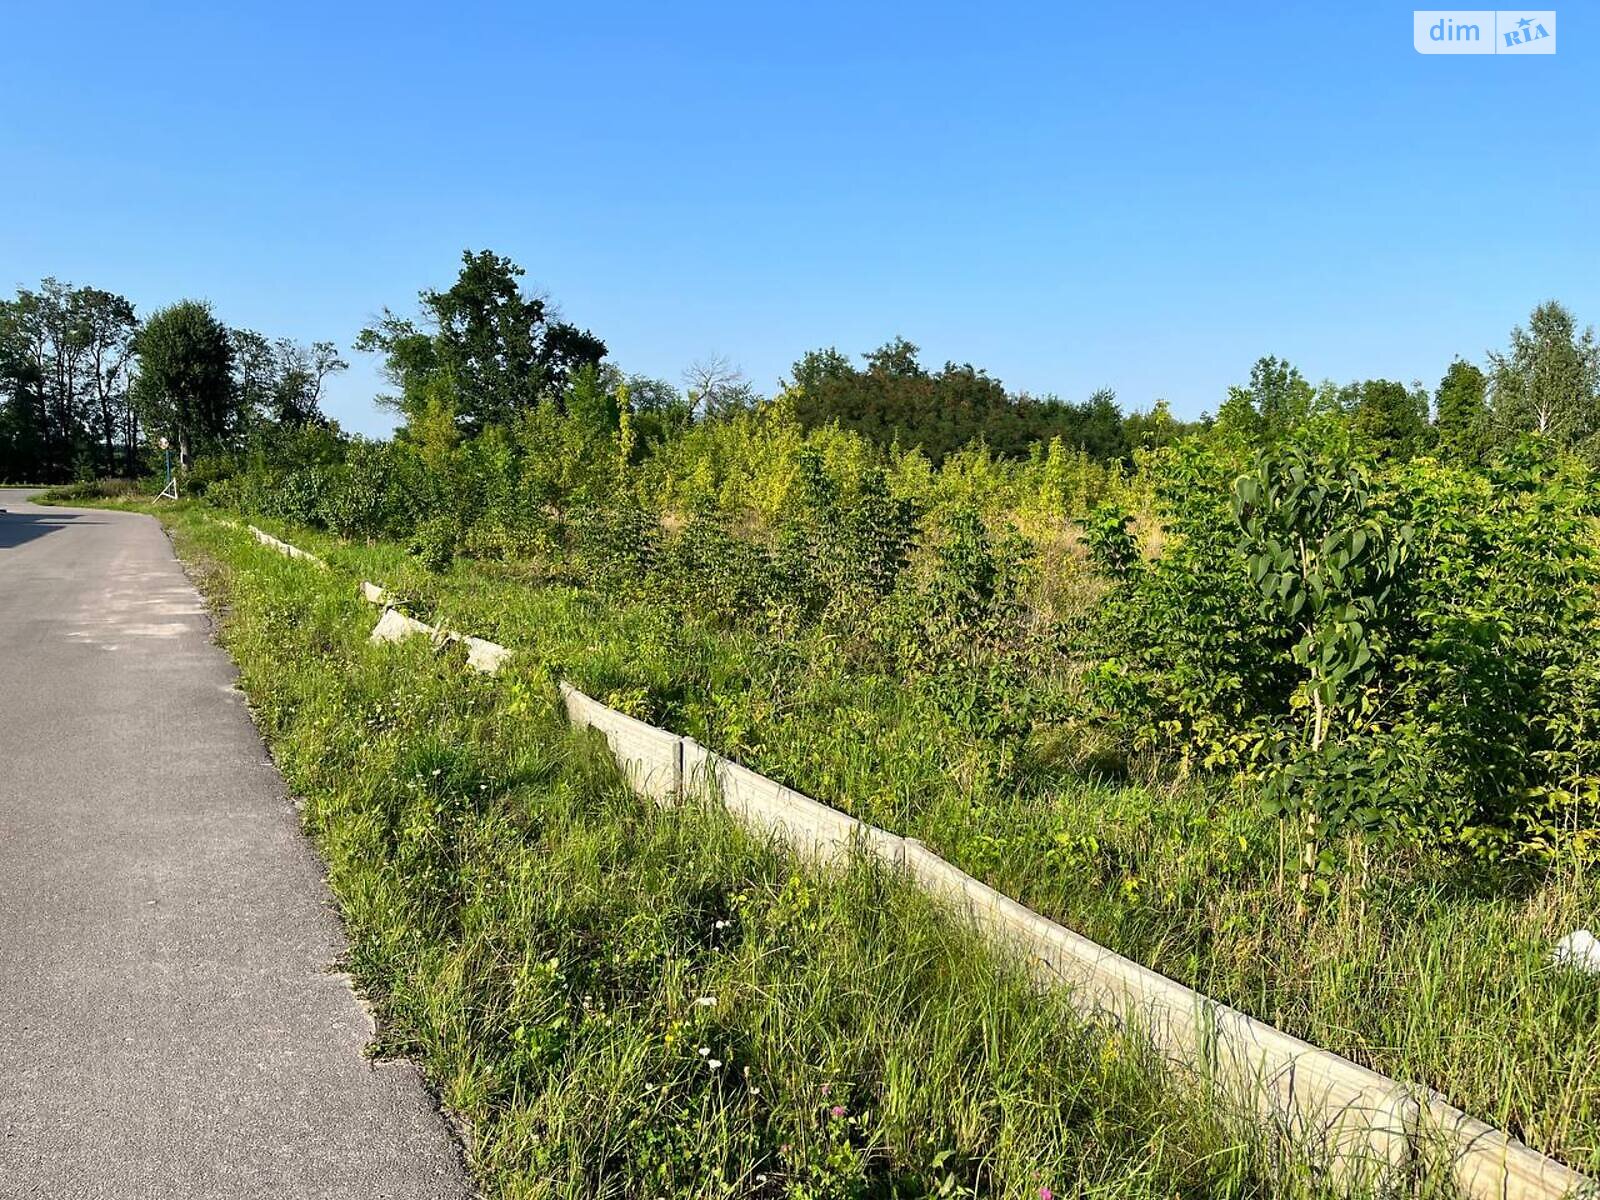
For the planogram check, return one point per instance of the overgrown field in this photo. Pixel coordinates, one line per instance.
(619, 1000)
(1427, 966)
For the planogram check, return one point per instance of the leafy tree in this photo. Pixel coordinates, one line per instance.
(896, 359)
(1281, 396)
(896, 402)
(47, 331)
(1237, 422)
(1275, 402)
(22, 418)
(817, 368)
(108, 327)
(1154, 429)
(1461, 415)
(1097, 426)
(185, 388)
(502, 349)
(280, 382)
(1392, 417)
(1324, 557)
(65, 356)
(1548, 382)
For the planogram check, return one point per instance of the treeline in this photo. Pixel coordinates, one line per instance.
(894, 401)
(1547, 382)
(87, 388)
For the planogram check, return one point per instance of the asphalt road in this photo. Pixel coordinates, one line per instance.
(169, 1024)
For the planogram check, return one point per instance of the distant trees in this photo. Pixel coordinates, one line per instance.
(185, 389)
(893, 399)
(497, 349)
(1154, 429)
(1548, 381)
(81, 380)
(64, 363)
(280, 382)
(1392, 417)
(108, 328)
(718, 388)
(1461, 414)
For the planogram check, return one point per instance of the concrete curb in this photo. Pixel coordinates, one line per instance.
(483, 656)
(1357, 1128)
(651, 759)
(282, 547)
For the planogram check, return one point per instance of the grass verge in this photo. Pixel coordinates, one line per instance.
(1412, 966)
(620, 1000)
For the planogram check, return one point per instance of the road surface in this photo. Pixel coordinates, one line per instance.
(169, 1024)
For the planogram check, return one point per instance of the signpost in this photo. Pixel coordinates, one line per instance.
(170, 491)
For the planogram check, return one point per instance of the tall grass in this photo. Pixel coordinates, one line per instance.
(620, 1000)
(1413, 966)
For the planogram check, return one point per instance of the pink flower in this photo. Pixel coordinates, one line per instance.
(1046, 1194)
(826, 1088)
(837, 1110)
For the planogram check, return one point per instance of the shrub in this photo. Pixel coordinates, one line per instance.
(1404, 651)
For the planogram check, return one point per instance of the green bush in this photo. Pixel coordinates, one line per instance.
(1403, 651)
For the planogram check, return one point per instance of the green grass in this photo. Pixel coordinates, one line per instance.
(566, 961)
(1415, 966)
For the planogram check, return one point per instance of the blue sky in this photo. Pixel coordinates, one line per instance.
(1142, 197)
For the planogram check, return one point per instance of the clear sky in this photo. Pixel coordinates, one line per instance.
(1146, 197)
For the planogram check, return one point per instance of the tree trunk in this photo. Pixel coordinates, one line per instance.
(1308, 847)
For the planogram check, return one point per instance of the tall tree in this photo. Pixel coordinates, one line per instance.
(501, 349)
(22, 417)
(279, 383)
(1548, 381)
(1280, 394)
(185, 388)
(108, 329)
(1461, 416)
(1238, 423)
(48, 330)
(718, 388)
(1393, 417)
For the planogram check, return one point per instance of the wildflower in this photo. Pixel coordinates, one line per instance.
(705, 1051)
(837, 1110)
(1046, 1194)
(705, 1001)
(721, 924)
(714, 1063)
(827, 1088)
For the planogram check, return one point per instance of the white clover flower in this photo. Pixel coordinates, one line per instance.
(704, 1051)
(714, 1063)
(706, 1001)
